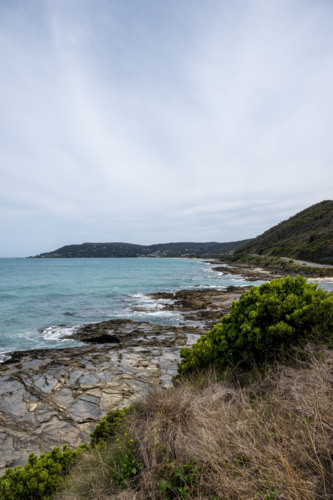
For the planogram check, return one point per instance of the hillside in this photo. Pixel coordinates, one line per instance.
(307, 235)
(107, 250)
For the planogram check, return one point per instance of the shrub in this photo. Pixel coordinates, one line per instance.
(125, 466)
(108, 426)
(111, 464)
(274, 316)
(178, 480)
(40, 477)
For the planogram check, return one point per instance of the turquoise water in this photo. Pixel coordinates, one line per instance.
(43, 300)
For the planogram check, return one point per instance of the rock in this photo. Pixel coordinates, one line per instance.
(36, 416)
(248, 271)
(203, 306)
(52, 397)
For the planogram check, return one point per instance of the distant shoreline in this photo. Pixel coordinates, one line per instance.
(161, 250)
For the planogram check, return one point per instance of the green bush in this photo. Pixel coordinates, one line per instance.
(126, 466)
(178, 480)
(108, 426)
(40, 477)
(274, 316)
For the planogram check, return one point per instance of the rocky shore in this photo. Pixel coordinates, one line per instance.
(56, 396)
(247, 271)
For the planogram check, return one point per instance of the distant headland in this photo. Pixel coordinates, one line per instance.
(112, 250)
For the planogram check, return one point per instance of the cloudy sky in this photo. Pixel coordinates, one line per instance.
(149, 121)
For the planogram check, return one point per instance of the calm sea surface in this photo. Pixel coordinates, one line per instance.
(43, 300)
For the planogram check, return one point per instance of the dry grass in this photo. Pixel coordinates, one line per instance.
(272, 439)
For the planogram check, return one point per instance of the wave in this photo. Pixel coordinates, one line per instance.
(4, 356)
(56, 332)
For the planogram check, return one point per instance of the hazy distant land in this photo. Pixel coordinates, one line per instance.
(107, 250)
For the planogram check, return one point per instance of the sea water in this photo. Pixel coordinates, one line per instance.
(43, 300)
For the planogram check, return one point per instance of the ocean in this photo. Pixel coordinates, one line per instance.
(41, 301)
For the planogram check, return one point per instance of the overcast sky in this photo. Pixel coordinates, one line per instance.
(150, 121)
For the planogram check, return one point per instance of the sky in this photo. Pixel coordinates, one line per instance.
(151, 121)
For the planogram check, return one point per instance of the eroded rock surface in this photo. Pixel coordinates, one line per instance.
(55, 396)
(52, 397)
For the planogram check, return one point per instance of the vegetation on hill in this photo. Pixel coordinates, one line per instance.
(277, 265)
(107, 250)
(307, 235)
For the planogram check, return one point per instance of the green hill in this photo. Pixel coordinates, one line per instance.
(111, 250)
(307, 235)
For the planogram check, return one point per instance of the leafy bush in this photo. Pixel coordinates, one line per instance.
(275, 315)
(40, 477)
(108, 426)
(126, 467)
(178, 480)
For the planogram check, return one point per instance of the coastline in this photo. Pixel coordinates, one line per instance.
(282, 266)
(51, 397)
(255, 272)
(42, 300)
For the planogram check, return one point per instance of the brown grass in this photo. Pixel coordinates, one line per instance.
(271, 439)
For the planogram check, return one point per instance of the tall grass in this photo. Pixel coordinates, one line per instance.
(271, 438)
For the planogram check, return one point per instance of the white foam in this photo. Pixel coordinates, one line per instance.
(4, 356)
(140, 295)
(58, 332)
(156, 313)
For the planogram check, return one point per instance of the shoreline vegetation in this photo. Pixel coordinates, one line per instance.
(262, 430)
(276, 265)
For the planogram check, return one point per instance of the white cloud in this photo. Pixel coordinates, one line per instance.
(150, 122)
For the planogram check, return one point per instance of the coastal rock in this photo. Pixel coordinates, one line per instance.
(203, 306)
(125, 331)
(247, 271)
(53, 397)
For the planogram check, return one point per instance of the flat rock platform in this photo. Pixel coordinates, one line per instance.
(53, 397)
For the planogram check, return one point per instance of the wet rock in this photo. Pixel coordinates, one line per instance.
(204, 306)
